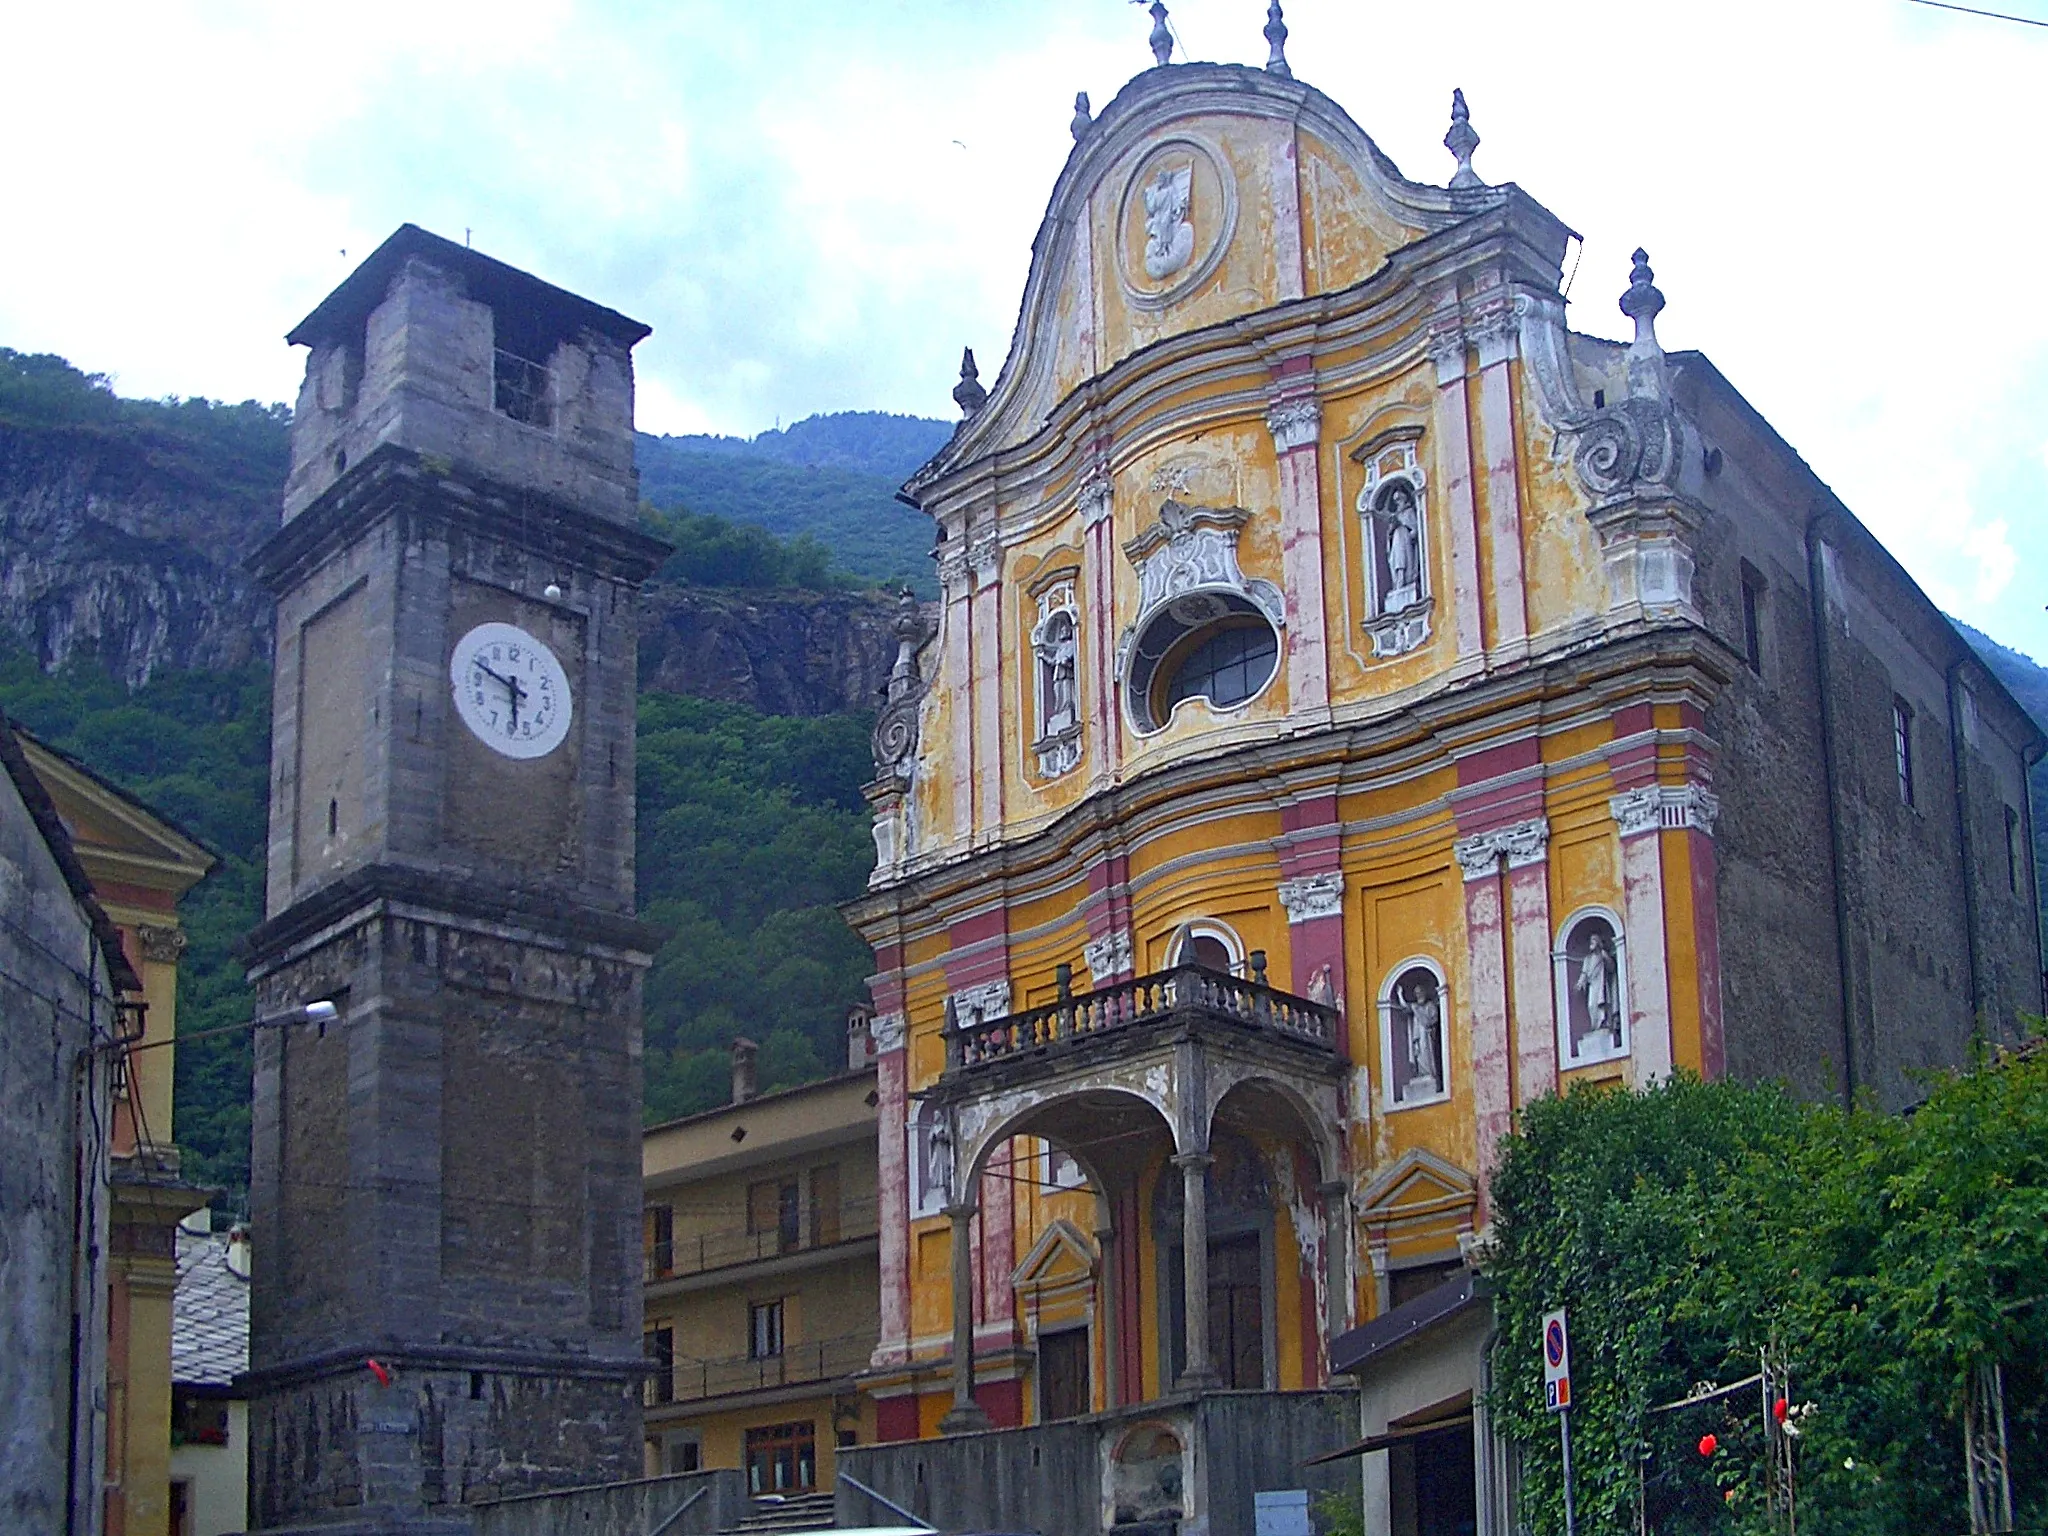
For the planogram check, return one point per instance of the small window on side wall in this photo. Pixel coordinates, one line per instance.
(1753, 594)
(1590, 966)
(1415, 1065)
(1902, 747)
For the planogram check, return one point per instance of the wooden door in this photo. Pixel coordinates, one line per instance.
(1237, 1313)
(1063, 1374)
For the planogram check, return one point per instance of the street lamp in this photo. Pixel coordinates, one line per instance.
(319, 1013)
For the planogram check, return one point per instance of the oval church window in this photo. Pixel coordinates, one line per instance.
(1213, 646)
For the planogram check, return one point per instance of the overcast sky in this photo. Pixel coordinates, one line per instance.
(815, 205)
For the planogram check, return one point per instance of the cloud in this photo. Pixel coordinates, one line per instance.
(1825, 190)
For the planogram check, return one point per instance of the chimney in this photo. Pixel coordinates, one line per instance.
(743, 1084)
(860, 1041)
(238, 1251)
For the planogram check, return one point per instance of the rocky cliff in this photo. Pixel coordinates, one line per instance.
(108, 556)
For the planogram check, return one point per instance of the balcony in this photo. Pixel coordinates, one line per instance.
(841, 1225)
(1245, 1009)
(818, 1361)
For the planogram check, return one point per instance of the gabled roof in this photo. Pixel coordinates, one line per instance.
(209, 1314)
(43, 812)
(111, 827)
(340, 316)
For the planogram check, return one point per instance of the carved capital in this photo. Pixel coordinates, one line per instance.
(1664, 807)
(1525, 843)
(985, 554)
(1308, 897)
(1295, 423)
(1478, 855)
(1445, 343)
(980, 1003)
(952, 558)
(1109, 956)
(1636, 811)
(1493, 329)
(888, 1031)
(1096, 499)
(162, 945)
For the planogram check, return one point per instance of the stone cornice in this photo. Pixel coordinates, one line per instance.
(380, 890)
(397, 482)
(1679, 660)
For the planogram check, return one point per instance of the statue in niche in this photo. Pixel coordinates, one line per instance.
(1424, 1037)
(1598, 987)
(938, 1164)
(1056, 655)
(1169, 236)
(1397, 520)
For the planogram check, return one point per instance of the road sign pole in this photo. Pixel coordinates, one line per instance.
(1564, 1435)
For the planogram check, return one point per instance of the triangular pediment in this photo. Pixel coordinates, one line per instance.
(117, 837)
(1417, 1184)
(1061, 1256)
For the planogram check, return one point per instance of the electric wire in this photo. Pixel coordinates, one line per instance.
(1967, 10)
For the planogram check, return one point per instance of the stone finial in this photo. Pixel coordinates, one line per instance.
(1161, 38)
(968, 393)
(1082, 118)
(1642, 303)
(1461, 141)
(1276, 40)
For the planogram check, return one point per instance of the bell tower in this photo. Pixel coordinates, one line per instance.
(445, 1181)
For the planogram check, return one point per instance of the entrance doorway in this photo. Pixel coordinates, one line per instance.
(1063, 1374)
(1237, 1313)
(1431, 1484)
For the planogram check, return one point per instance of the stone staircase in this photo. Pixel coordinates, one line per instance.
(778, 1513)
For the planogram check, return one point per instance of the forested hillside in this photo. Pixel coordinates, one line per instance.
(752, 828)
(122, 527)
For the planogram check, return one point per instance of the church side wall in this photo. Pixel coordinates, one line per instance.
(48, 973)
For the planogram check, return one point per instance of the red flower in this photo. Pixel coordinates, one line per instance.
(1779, 1409)
(1709, 1445)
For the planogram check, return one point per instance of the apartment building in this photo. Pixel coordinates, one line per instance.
(762, 1278)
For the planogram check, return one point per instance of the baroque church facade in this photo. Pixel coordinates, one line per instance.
(1361, 705)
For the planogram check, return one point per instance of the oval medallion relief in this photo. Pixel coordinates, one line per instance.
(1177, 214)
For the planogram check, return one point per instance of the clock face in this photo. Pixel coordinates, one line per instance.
(510, 690)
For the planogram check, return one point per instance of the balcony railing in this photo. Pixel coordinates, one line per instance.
(1188, 991)
(693, 1253)
(816, 1360)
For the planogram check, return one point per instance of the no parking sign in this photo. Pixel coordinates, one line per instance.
(1557, 1362)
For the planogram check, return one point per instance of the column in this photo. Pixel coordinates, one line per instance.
(1493, 332)
(1339, 1296)
(1296, 422)
(1639, 816)
(985, 557)
(1446, 344)
(892, 1111)
(1529, 944)
(965, 1416)
(956, 665)
(1198, 1372)
(1098, 619)
(1479, 857)
(1106, 1306)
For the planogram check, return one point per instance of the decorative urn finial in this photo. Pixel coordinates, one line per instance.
(1642, 304)
(1082, 118)
(968, 393)
(1161, 39)
(1276, 39)
(1461, 141)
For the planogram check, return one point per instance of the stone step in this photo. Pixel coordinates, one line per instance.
(776, 1515)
